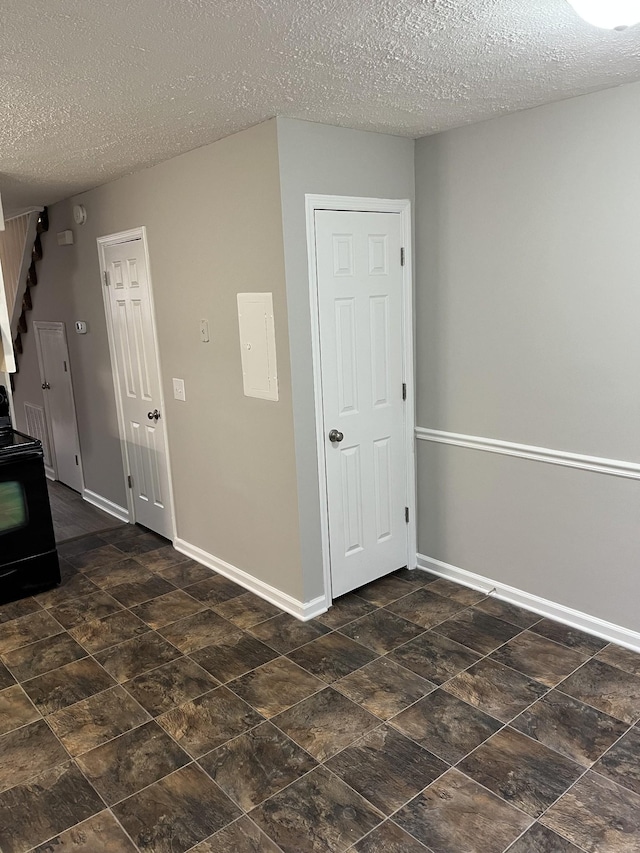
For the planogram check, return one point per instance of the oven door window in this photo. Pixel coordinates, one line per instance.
(13, 507)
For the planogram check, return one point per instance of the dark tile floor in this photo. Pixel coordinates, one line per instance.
(149, 704)
(73, 516)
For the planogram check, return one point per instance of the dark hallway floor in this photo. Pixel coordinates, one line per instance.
(73, 516)
(149, 704)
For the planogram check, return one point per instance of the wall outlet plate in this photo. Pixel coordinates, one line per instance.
(204, 331)
(81, 327)
(178, 389)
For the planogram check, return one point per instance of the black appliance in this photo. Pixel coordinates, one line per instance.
(28, 557)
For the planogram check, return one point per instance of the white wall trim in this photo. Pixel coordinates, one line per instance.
(117, 511)
(598, 464)
(574, 618)
(303, 610)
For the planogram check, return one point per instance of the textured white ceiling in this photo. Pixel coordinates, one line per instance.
(92, 90)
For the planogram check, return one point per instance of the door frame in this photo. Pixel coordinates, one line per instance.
(54, 326)
(103, 243)
(365, 205)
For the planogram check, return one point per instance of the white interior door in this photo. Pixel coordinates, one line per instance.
(360, 306)
(134, 353)
(57, 390)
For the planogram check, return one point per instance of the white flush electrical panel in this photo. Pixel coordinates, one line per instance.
(258, 345)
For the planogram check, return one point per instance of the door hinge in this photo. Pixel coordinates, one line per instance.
(65, 366)
(106, 278)
(402, 256)
(404, 390)
(406, 514)
(129, 481)
(77, 461)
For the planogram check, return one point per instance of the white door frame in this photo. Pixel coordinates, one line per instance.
(51, 326)
(103, 242)
(365, 205)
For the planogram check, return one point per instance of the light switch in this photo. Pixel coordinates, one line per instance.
(204, 331)
(178, 389)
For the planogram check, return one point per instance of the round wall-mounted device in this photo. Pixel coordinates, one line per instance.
(79, 214)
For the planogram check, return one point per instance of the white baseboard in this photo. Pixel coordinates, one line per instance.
(117, 511)
(574, 618)
(303, 610)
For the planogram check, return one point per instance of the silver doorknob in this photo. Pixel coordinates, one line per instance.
(335, 435)
(46, 386)
(154, 415)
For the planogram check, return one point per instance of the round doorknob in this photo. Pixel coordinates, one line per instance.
(45, 386)
(335, 435)
(154, 415)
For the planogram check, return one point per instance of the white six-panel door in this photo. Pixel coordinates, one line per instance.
(360, 307)
(136, 364)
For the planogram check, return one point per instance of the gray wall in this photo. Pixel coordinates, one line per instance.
(316, 158)
(528, 298)
(214, 227)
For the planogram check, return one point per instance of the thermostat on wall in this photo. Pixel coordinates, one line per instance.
(81, 327)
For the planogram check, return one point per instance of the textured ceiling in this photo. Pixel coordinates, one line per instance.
(90, 91)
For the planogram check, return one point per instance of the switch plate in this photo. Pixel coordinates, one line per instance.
(178, 389)
(204, 331)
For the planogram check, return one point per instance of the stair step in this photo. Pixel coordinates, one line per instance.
(36, 253)
(43, 222)
(32, 275)
(17, 342)
(27, 303)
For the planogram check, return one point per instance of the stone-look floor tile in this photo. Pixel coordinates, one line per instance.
(85, 608)
(345, 609)
(570, 637)
(387, 768)
(256, 765)
(214, 590)
(80, 545)
(425, 608)
(241, 836)
(6, 679)
(74, 584)
(15, 709)
(522, 771)
(508, 612)
(382, 631)
(99, 834)
(621, 764)
(161, 558)
(385, 590)
(607, 688)
(598, 816)
(202, 629)
(174, 814)
(141, 543)
(95, 720)
(32, 812)
(332, 656)
(110, 631)
(455, 814)
(477, 630)
(209, 721)
(384, 688)
(68, 684)
(446, 726)
(27, 752)
(463, 594)
(232, 656)
(167, 608)
(434, 657)
(130, 762)
(316, 813)
(185, 574)
(169, 685)
(121, 532)
(325, 723)
(27, 629)
(94, 558)
(16, 609)
(246, 610)
(276, 686)
(539, 658)
(43, 655)
(284, 633)
(622, 658)
(578, 731)
(133, 657)
(539, 839)
(416, 577)
(127, 570)
(136, 592)
(499, 691)
(389, 838)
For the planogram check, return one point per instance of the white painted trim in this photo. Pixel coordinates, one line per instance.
(139, 233)
(301, 610)
(368, 205)
(574, 618)
(598, 464)
(117, 511)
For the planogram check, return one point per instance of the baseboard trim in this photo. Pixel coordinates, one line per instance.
(117, 511)
(303, 610)
(574, 618)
